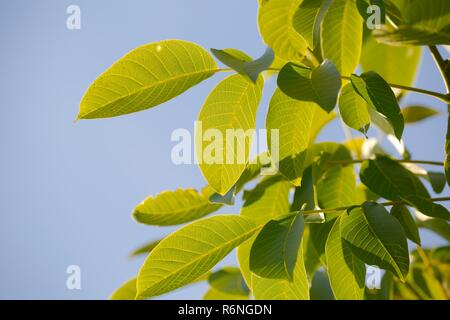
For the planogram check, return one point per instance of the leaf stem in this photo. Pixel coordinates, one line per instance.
(433, 163)
(386, 204)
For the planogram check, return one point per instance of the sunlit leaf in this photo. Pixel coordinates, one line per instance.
(275, 21)
(298, 123)
(127, 291)
(307, 20)
(146, 77)
(190, 252)
(230, 106)
(397, 65)
(175, 207)
(341, 36)
(346, 272)
(422, 23)
(353, 109)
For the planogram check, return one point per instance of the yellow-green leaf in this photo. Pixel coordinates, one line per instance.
(353, 109)
(395, 64)
(342, 31)
(146, 77)
(275, 21)
(307, 20)
(175, 207)
(346, 272)
(298, 123)
(230, 108)
(127, 291)
(191, 252)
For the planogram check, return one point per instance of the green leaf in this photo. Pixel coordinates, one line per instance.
(268, 200)
(438, 226)
(392, 181)
(175, 207)
(341, 35)
(146, 77)
(191, 252)
(243, 64)
(304, 195)
(213, 294)
(337, 188)
(274, 251)
(376, 238)
(389, 179)
(319, 233)
(228, 198)
(145, 249)
(280, 289)
(275, 21)
(416, 113)
(255, 67)
(346, 272)
(230, 281)
(307, 20)
(320, 287)
(233, 58)
(427, 207)
(378, 94)
(437, 180)
(395, 64)
(422, 23)
(127, 291)
(353, 109)
(298, 123)
(230, 106)
(320, 85)
(310, 255)
(405, 218)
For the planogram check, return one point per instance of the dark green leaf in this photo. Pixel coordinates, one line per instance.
(408, 223)
(274, 252)
(320, 85)
(378, 94)
(376, 238)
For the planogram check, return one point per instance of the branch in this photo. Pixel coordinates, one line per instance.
(386, 204)
(443, 97)
(433, 163)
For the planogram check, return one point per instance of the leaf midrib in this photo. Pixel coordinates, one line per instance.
(144, 88)
(197, 259)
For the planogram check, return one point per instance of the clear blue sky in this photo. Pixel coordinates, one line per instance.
(67, 190)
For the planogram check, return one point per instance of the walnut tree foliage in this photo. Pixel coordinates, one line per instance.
(333, 208)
